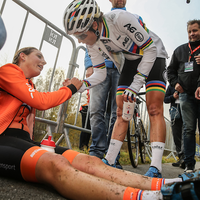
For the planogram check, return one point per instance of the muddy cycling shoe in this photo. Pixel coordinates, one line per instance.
(186, 190)
(153, 172)
(186, 176)
(115, 165)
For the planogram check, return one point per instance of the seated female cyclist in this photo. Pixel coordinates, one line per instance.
(74, 175)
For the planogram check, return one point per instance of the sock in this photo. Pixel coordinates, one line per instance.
(137, 194)
(157, 183)
(131, 193)
(157, 153)
(113, 150)
(146, 195)
(173, 180)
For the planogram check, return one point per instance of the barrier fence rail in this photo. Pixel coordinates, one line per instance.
(54, 36)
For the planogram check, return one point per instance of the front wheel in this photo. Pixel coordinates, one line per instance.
(133, 144)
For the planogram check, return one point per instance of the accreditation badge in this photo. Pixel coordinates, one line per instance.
(188, 66)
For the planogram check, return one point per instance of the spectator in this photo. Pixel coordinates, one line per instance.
(172, 97)
(3, 33)
(84, 136)
(184, 75)
(99, 97)
(72, 174)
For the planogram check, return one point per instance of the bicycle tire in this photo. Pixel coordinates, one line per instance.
(142, 142)
(133, 144)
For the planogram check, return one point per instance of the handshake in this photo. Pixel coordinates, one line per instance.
(75, 81)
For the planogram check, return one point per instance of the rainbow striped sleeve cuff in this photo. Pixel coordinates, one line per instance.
(87, 83)
(100, 66)
(146, 44)
(143, 75)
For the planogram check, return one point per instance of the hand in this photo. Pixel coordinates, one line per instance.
(197, 93)
(197, 58)
(76, 82)
(67, 82)
(175, 95)
(179, 88)
(89, 72)
(129, 95)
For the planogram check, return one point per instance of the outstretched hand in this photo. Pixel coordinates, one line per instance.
(67, 82)
(75, 81)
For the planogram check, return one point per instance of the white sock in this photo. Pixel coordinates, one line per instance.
(148, 194)
(113, 150)
(157, 153)
(173, 180)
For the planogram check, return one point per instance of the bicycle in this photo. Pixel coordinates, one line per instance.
(137, 136)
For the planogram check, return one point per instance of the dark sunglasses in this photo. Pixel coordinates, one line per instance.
(81, 36)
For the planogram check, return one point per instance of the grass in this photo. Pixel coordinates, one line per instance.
(125, 160)
(124, 156)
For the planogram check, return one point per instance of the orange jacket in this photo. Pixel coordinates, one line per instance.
(18, 90)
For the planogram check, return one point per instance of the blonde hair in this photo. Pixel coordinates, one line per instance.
(25, 50)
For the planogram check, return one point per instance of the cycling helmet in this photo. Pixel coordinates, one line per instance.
(79, 15)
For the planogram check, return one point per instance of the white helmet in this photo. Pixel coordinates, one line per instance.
(79, 15)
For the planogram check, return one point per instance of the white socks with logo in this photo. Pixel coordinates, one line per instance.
(157, 153)
(113, 150)
(146, 195)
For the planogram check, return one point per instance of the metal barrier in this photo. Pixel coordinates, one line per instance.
(54, 36)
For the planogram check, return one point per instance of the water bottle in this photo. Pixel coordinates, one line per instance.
(128, 110)
(48, 144)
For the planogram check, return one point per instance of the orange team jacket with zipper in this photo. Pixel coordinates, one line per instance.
(17, 90)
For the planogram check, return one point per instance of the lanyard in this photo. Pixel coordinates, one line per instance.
(193, 50)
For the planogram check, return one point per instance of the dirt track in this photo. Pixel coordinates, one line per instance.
(18, 190)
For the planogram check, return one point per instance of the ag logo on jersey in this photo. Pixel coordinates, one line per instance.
(139, 37)
(131, 29)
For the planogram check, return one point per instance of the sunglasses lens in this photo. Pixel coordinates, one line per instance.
(81, 36)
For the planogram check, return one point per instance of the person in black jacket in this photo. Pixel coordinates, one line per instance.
(172, 97)
(184, 74)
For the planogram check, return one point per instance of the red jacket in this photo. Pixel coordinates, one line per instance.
(17, 90)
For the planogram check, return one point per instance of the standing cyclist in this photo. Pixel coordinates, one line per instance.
(107, 36)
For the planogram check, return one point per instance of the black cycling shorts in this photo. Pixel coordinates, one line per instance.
(156, 80)
(14, 143)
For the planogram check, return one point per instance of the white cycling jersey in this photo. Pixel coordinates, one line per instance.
(123, 32)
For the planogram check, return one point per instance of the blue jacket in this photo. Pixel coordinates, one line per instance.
(169, 98)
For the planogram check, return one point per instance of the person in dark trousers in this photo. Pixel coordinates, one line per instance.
(172, 97)
(184, 74)
(84, 136)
